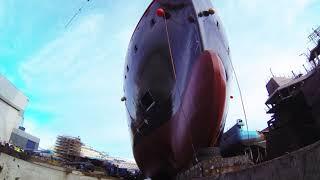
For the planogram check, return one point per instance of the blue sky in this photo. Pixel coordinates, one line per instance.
(73, 75)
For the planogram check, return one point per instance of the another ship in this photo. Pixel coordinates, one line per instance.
(177, 77)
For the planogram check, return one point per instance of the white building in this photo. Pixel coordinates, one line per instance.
(12, 105)
(91, 153)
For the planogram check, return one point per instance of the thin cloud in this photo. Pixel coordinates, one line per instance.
(79, 80)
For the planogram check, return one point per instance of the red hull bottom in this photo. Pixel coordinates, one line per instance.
(197, 124)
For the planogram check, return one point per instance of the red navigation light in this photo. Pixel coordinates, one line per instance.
(161, 12)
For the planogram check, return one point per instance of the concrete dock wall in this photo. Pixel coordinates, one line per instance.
(15, 169)
(303, 164)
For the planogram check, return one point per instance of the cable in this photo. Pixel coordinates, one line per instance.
(174, 73)
(76, 14)
(237, 81)
(241, 98)
(170, 51)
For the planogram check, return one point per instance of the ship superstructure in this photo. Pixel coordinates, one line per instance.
(294, 104)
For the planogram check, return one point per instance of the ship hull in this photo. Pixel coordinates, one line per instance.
(176, 86)
(196, 125)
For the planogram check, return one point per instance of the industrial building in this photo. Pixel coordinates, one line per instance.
(12, 105)
(24, 140)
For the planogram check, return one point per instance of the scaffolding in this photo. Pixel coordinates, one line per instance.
(68, 148)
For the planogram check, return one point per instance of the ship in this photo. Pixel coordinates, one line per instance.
(177, 75)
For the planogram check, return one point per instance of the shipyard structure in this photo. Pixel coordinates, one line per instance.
(175, 136)
(294, 104)
(21, 157)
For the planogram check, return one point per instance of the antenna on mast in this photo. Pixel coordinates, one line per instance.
(313, 54)
(315, 35)
(271, 72)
